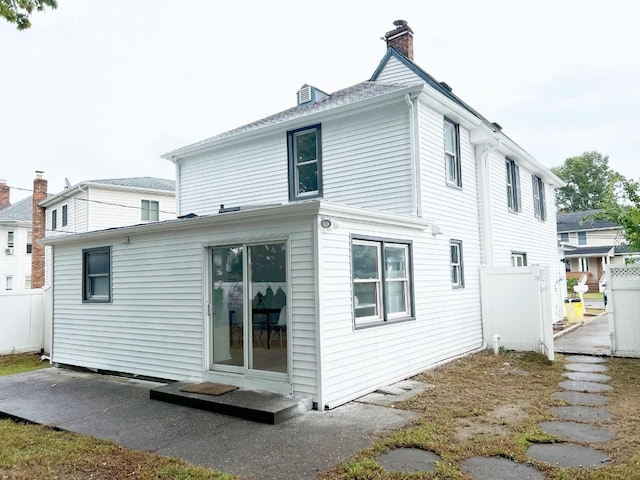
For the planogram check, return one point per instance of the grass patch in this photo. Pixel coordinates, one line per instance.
(41, 453)
(594, 296)
(22, 362)
(491, 405)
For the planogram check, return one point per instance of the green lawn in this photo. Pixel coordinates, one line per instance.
(22, 362)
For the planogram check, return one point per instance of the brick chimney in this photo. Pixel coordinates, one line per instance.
(401, 38)
(5, 194)
(38, 227)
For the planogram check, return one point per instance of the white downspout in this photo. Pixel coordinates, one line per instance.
(414, 140)
(485, 200)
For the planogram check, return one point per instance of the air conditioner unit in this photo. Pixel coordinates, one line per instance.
(8, 251)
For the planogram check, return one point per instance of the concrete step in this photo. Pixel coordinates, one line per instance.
(255, 405)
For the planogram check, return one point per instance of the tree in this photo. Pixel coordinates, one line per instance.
(18, 11)
(623, 208)
(589, 180)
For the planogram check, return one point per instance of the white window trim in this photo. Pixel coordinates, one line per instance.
(453, 177)
(294, 167)
(539, 201)
(457, 266)
(514, 203)
(147, 211)
(378, 286)
(519, 257)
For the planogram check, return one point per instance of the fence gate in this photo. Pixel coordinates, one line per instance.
(623, 308)
(516, 305)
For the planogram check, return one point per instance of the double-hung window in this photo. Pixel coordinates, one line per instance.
(96, 267)
(304, 148)
(10, 238)
(65, 215)
(150, 210)
(8, 282)
(457, 267)
(539, 206)
(29, 240)
(513, 186)
(452, 153)
(381, 273)
(582, 238)
(564, 237)
(54, 219)
(519, 259)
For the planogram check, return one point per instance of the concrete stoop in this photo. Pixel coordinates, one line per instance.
(255, 405)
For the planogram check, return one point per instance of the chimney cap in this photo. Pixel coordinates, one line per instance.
(39, 174)
(400, 23)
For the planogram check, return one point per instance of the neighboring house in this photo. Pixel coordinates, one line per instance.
(590, 244)
(323, 251)
(15, 242)
(109, 203)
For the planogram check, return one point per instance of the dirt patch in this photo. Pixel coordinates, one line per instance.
(498, 421)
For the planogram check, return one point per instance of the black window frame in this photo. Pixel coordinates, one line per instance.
(514, 200)
(525, 260)
(294, 194)
(86, 284)
(457, 169)
(383, 317)
(539, 200)
(460, 264)
(65, 215)
(54, 219)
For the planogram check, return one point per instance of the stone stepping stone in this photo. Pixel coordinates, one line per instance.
(408, 460)
(586, 367)
(587, 377)
(577, 432)
(586, 387)
(584, 359)
(566, 455)
(577, 398)
(581, 414)
(496, 468)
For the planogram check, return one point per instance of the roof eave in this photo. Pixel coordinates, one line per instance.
(199, 147)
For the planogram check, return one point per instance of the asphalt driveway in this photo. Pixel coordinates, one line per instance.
(590, 338)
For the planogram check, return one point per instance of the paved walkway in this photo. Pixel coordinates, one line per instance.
(119, 409)
(590, 338)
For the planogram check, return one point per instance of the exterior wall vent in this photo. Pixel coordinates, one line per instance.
(304, 95)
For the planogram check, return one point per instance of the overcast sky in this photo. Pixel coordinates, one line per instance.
(100, 89)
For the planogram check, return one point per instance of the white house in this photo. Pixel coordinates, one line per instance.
(323, 251)
(590, 244)
(15, 242)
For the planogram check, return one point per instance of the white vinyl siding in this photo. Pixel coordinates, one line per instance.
(396, 72)
(366, 162)
(156, 324)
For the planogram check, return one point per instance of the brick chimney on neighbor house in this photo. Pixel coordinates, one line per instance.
(401, 38)
(5, 194)
(38, 226)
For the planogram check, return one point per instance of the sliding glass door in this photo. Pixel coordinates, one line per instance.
(249, 307)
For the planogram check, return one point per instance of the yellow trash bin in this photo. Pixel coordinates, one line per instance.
(578, 313)
(568, 310)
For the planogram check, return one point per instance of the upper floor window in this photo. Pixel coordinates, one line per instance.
(10, 238)
(54, 219)
(564, 237)
(304, 149)
(64, 215)
(518, 259)
(539, 205)
(457, 270)
(150, 210)
(452, 153)
(582, 238)
(27, 281)
(96, 267)
(381, 281)
(29, 245)
(513, 186)
(8, 283)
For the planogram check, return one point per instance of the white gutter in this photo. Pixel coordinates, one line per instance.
(484, 198)
(414, 140)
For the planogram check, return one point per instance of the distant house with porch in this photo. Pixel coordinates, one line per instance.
(324, 251)
(590, 244)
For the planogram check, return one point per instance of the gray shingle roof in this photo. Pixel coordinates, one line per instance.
(579, 221)
(586, 251)
(19, 211)
(140, 182)
(346, 96)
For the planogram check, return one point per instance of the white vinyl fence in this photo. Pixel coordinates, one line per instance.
(623, 308)
(516, 306)
(25, 323)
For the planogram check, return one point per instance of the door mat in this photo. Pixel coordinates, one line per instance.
(209, 388)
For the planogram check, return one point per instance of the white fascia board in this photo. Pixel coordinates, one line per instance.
(484, 134)
(71, 192)
(372, 217)
(194, 149)
(449, 108)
